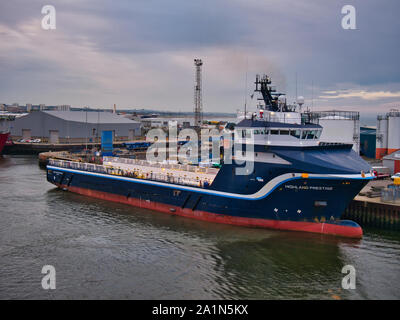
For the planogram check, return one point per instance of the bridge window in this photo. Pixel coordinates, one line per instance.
(295, 133)
(247, 133)
(284, 132)
(274, 131)
(311, 134)
(314, 134)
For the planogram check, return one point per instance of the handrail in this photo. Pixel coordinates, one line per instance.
(138, 173)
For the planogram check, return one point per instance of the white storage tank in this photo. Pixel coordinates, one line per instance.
(393, 131)
(381, 136)
(339, 127)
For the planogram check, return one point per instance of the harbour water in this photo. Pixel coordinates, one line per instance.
(103, 250)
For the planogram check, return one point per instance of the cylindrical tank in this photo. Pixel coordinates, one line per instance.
(381, 136)
(393, 131)
(340, 126)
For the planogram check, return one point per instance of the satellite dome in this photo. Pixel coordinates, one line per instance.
(300, 100)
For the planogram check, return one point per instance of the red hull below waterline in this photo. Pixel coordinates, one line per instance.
(314, 227)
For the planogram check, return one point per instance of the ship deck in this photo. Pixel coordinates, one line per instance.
(177, 173)
(172, 173)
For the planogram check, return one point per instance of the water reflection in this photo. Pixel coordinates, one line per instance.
(106, 250)
(241, 262)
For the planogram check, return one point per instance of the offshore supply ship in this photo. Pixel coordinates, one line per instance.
(4, 130)
(295, 182)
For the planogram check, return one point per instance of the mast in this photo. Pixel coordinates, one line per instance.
(268, 96)
(198, 103)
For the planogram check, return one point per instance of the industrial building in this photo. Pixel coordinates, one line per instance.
(368, 142)
(73, 126)
(392, 161)
(158, 122)
(388, 133)
(29, 107)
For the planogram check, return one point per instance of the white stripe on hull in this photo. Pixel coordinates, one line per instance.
(260, 194)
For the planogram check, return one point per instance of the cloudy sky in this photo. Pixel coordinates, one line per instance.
(139, 53)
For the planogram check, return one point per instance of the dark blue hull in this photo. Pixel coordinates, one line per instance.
(298, 199)
(273, 195)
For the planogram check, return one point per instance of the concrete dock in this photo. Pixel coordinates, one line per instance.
(59, 155)
(24, 148)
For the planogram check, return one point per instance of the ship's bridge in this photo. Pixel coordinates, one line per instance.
(286, 130)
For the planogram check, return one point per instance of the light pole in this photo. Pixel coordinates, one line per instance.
(86, 130)
(98, 123)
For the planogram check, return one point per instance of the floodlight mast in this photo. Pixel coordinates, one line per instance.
(198, 103)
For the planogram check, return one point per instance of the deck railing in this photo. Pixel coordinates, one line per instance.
(174, 166)
(111, 167)
(316, 116)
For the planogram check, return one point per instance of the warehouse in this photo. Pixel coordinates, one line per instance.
(73, 126)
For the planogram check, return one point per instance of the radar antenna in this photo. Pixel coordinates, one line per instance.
(269, 94)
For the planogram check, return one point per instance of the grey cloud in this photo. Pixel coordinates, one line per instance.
(293, 36)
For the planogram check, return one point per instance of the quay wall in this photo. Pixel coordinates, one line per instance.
(370, 214)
